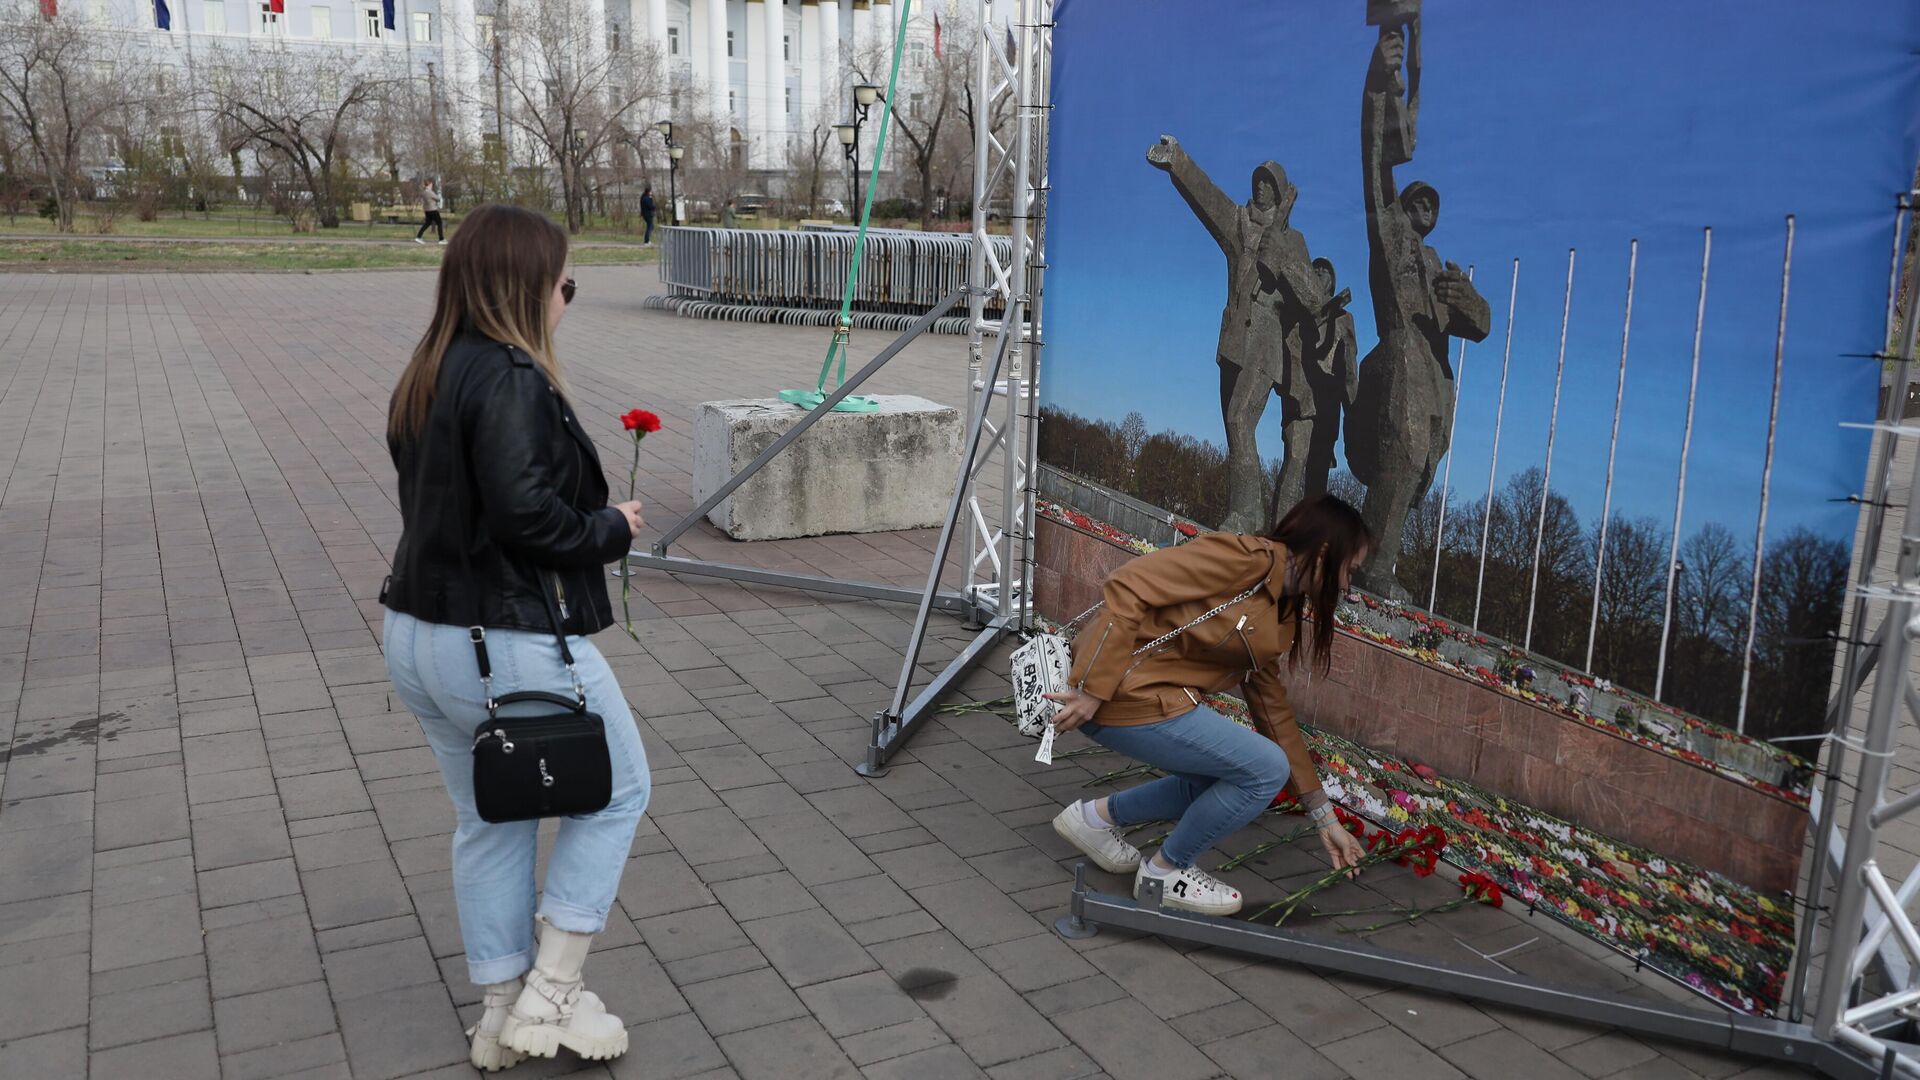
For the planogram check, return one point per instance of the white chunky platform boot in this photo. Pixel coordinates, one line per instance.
(488, 1053)
(553, 1010)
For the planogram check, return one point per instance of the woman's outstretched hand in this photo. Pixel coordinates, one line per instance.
(1076, 708)
(1342, 847)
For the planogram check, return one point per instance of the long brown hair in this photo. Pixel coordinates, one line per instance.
(1326, 532)
(497, 279)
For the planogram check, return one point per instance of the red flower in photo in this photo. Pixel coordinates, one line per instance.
(642, 421)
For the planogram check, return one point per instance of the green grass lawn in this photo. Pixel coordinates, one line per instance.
(111, 253)
(242, 224)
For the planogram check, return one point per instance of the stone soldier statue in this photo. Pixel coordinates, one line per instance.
(1273, 301)
(1400, 423)
(1317, 388)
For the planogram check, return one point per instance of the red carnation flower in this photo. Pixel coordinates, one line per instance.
(641, 420)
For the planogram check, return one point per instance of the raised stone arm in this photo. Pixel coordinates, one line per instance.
(1211, 205)
(1386, 120)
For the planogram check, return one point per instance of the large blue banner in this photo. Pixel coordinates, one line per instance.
(1286, 240)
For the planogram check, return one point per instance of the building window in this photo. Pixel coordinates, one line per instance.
(786, 48)
(673, 101)
(214, 14)
(269, 18)
(673, 41)
(917, 53)
(103, 70)
(733, 107)
(484, 24)
(613, 37)
(916, 105)
(422, 26)
(321, 22)
(373, 22)
(729, 44)
(172, 145)
(789, 99)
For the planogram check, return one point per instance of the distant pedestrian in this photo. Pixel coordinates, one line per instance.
(726, 215)
(430, 200)
(647, 210)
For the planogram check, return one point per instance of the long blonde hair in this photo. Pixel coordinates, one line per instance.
(497, 279)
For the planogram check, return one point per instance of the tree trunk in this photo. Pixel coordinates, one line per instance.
(926, 196)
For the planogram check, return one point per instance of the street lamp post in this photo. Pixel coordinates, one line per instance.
(864, 97)
(674, 153)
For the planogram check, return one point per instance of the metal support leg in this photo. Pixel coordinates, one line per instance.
(893, 727)
(1734, 1032)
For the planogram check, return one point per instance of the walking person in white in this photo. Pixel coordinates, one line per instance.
(430, 202)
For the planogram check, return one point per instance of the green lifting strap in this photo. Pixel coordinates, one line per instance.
(811, 399)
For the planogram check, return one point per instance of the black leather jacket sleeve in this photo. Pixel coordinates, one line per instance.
(520, 500)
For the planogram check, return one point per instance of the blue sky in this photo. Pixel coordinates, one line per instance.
(1545, 127)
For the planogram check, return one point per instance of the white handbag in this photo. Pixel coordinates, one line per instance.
(1040, 667)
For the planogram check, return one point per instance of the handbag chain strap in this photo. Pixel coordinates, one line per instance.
(1171, 634)
(475, 632)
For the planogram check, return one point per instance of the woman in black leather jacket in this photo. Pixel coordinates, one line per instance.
(505, 511)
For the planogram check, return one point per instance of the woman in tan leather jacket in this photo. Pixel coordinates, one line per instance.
(1139, 695)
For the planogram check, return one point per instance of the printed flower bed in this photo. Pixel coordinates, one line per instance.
(1439, 643)
(1724, 940)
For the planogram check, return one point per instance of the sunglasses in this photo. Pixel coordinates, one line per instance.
(567, 289)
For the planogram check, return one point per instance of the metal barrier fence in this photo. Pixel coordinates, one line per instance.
(798, 276)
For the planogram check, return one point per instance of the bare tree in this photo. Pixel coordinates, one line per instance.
(304, 110)
(927, 105)
(570, 89)
(63, 81)
(812, 160)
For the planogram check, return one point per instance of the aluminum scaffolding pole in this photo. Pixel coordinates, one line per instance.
(1860, 656)
(997, 606)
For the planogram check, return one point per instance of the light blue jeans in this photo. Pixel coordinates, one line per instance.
(1220, 776)
(437, 677)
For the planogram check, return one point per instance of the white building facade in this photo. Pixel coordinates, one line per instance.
(776, 69)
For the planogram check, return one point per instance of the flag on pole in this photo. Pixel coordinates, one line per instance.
(386, 10)
(162, 17)
(936, 35)
(1013, 50)
(278, 7)
(49, 8)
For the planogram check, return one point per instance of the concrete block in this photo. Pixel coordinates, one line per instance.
(850, 473)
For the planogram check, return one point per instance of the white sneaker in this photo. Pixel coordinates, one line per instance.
(1192, 889)
(443, 243)
(417, 240)
(1103, 846)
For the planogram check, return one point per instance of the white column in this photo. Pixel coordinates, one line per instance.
(657, 26)
(807, 105)
(460, 44)
(830, 60)
(774, 72)
(718, 69)
(862, 32)
(758, 110)
(884, 12)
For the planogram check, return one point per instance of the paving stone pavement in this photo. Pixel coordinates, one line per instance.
(224, 846)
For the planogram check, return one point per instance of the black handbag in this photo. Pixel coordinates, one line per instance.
(552, 762)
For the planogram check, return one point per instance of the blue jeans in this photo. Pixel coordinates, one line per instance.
(1220, 776)
(437, 677)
